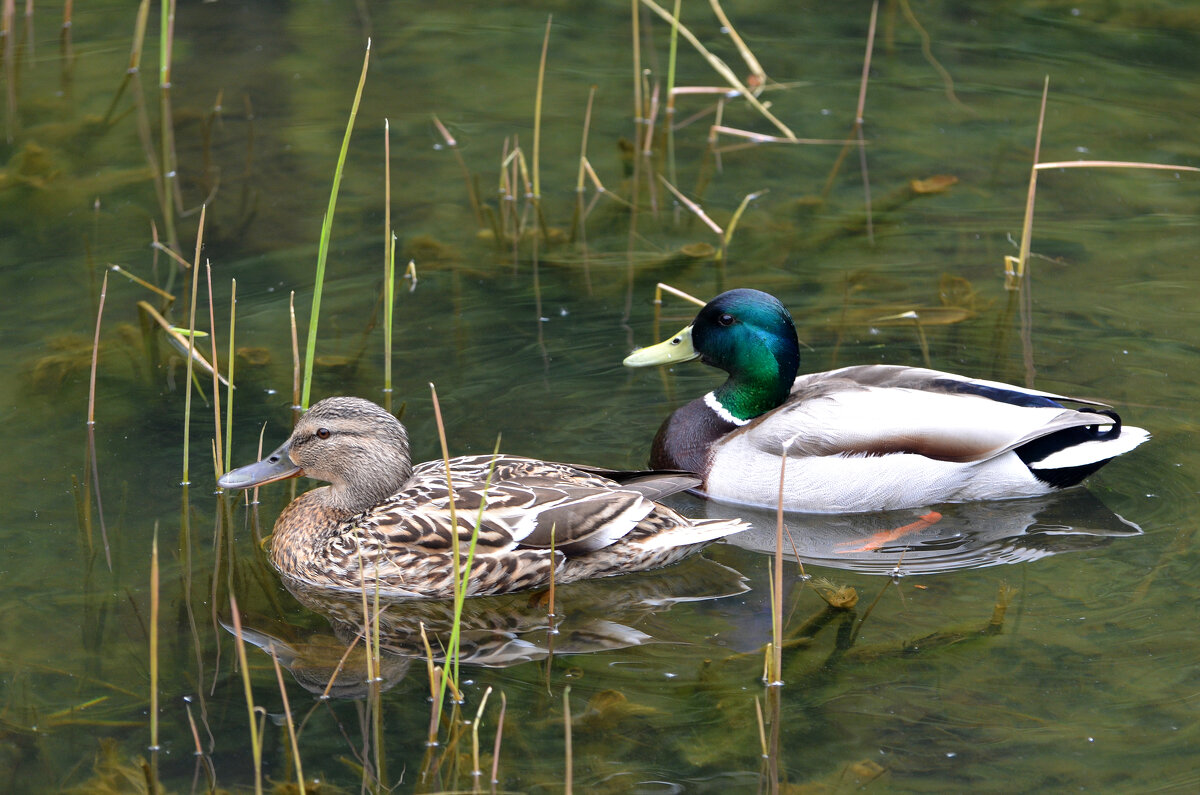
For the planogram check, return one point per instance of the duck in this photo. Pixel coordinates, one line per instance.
(386, 525)
(867, 437)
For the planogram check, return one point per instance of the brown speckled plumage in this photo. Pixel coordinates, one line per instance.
(384, 522)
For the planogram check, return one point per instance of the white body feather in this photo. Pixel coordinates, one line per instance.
(846, 433)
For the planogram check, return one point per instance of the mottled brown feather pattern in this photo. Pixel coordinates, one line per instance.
(383, 523)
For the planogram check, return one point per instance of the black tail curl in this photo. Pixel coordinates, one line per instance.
(1113, 432)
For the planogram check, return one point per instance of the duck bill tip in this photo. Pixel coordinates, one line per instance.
(677, 348)
(259, 473)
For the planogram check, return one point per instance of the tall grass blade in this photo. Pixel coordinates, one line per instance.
(326, 231)
(537, 116)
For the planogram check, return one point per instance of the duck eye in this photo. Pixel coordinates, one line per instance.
(323, 433)
(725, 319)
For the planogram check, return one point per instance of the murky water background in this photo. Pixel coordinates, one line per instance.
(1088, 680)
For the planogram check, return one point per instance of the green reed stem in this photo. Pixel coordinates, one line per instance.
(537, 113)
(218, 453)
(476, 772)
(670, 110)
(389, 263)
(166, 41)
(187, 403)
(638, 111)
(777, 586)
(569, 773)
(135, 57)
(154, 641)
(454, 551)
(229, 388)
(255, 740)
(326, 230)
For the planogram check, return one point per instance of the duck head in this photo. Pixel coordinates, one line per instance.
(748, 334)
(354, 444)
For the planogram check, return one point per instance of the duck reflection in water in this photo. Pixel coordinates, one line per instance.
(952, 537)
(496, 632)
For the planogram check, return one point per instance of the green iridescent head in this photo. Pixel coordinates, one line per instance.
(748, 334)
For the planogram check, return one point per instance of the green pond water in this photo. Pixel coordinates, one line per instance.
(1044, 645)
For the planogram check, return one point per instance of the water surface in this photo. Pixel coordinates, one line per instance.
(1022, 646)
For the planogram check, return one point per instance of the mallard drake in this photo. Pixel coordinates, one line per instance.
(385, 523)
(872, 437)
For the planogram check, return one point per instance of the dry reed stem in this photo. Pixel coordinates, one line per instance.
(858, 120)
(435, 712)
(583, 140)
(695, 208)
(142, 283)
(410, 272)
(1014, 270)
(10, 70)
(135, 57)
(91, 413)
(721, 68)
(663, 287)
(291, 727)
(1112, 164)
(496, 745)
(733, 222)
(777, 583)
(751, 62)
(927, 51)
(178, 338)
(295, 352)
(472, 194)
(255, 740)
(761, 138)
(762, 729)
(638, 110)
(172, 254)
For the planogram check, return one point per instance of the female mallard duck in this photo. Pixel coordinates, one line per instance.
(873, 437)
(384, 523)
